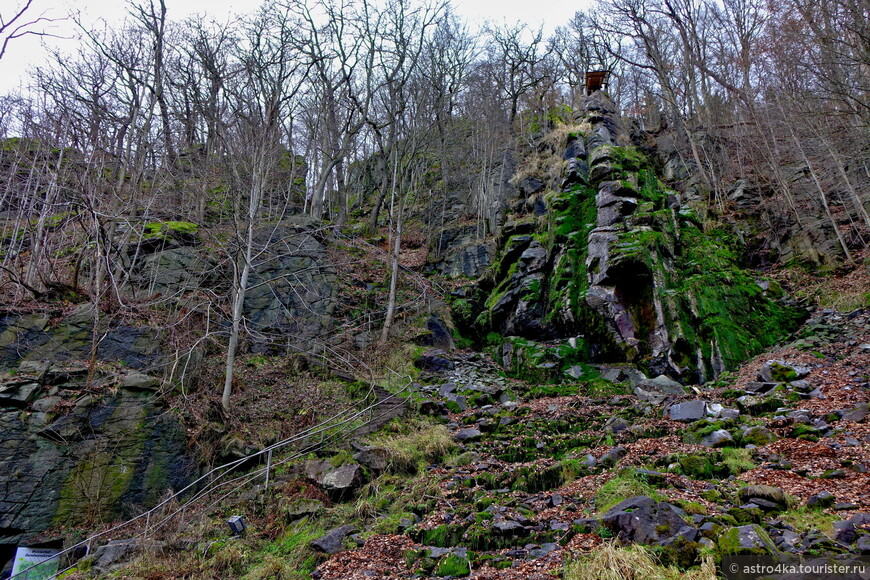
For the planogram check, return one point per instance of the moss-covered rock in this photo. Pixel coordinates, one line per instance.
(620, 265)
(745, 540)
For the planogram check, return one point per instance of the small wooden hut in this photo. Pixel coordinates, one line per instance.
(596, 80)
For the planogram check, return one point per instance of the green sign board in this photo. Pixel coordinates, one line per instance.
(35, 564)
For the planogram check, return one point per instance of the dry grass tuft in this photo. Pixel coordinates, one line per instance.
(610, 562)
(413, 443)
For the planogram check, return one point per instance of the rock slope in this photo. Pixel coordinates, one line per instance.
(772, 460)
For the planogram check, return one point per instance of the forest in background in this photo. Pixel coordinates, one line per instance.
(356, 109)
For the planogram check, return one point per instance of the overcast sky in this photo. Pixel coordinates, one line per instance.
(27, 52)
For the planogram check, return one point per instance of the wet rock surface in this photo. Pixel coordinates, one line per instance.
(69, 456)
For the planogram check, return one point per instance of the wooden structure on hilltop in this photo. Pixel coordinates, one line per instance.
(596, 80)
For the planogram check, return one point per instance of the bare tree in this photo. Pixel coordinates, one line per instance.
(263, 109)
(18, 21)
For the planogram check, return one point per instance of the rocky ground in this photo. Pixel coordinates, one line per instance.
(773, 458)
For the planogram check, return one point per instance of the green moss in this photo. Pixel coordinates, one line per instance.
(443, 536)
(692, 507)
(94, 487)
(626, 484)
(453, 565)
(737, 460)
(697, 466)
(728, 543)
(807, 432)
(165, 230)
(805, 518)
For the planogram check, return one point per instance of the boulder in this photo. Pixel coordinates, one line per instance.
(777, 371)
(434, 360)
(758, 436)
(822, 499)
(858, 414)
(430, 407)
(687, 412)
(765, 492)
(613, 456)
(844, 532)
(340, 482)
(465, 435)
(745, 540)
(643, 520)
(659, 389)
(332, 541)
(375, 458)
(718, 438)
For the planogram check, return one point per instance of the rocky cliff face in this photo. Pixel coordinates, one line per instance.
(75, 451)
(81, 443)
(619, 269)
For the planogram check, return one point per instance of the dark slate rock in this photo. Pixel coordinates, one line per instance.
(765, 492)
(375, 458)
(834, 474)
(447, 389)
(745, 540)
(729, 414)
(789, 539)
(140, 382)
(434, 360)
(657, 390)
(776, 371)
(576, 148)
(616, 424)
(430, 407)
(613, 456)
(822, 499)
(764, 504)
(758, 388)
(858, 414)
(542, 550)
(507, 527)
(18, 395)
(340, 482)
(467, 435)
(643, 520)
(652, 477)
(331, 542)
(440, 335)
(801, 386)
(718, 438)
(844, 532)
(459, 403)
(587, 525)
(530, 185)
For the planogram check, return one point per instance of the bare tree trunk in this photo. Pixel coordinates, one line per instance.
(242, 286)
(394, 260)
